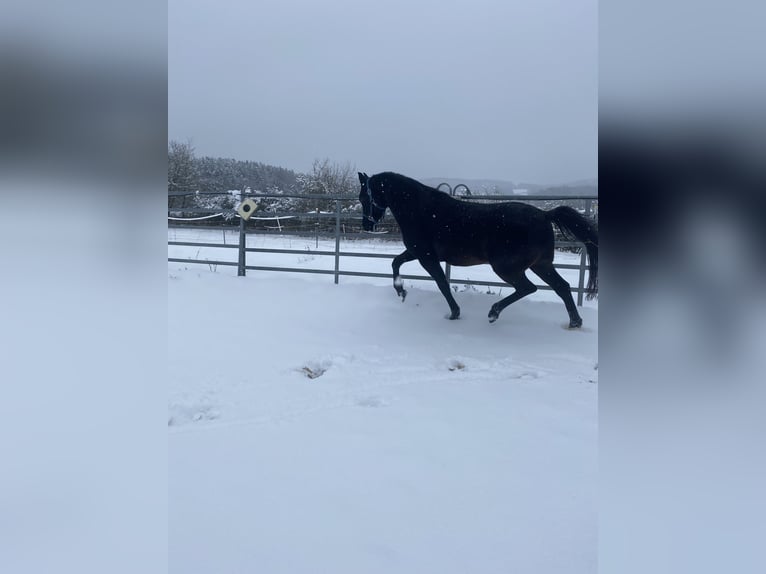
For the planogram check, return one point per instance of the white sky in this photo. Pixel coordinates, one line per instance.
(476, 89)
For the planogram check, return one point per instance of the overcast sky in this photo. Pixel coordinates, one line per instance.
(475, 89)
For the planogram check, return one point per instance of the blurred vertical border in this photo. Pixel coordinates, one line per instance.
(682, 166)
(83, 136)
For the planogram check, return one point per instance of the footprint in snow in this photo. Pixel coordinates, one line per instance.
(313, 372)
(455, 365)
(189, 414)
(317, 368)
(527, 375)
(371, 402)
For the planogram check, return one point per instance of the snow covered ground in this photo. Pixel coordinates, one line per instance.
(331, 428)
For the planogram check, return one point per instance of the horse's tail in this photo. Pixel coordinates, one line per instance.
(573, 224)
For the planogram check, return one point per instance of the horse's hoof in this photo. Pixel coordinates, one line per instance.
(454, 315)
(403, 295)
(575, 324)
(493, 317)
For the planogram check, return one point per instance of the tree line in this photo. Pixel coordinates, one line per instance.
(189, 173)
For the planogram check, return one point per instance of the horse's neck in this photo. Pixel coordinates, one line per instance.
(409, 203)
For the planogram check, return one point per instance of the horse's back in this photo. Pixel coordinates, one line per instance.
(466, 233)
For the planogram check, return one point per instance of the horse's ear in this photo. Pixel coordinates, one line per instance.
(362, 177)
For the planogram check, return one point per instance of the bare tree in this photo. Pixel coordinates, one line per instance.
(326, 178)
(330, 178)
(182, 170)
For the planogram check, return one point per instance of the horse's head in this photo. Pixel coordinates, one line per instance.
(372, 199)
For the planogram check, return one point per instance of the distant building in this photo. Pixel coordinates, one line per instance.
(520, 191)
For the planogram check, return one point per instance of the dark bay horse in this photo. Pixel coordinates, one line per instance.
(511, 236)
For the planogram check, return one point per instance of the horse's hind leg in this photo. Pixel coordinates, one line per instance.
(520, 282)
(403, 257)
(548, 273)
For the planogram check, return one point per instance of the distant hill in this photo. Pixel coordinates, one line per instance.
(570, 189)
(502, 187)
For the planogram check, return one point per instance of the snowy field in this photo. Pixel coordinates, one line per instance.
(331, 428)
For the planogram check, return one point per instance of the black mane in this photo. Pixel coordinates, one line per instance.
(399, 179)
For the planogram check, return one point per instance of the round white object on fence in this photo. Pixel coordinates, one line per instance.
(246, 209)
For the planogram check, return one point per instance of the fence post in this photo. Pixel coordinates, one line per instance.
(581, 281)
(583, 262)
(447, 266)
(337, 239)
(242, 242)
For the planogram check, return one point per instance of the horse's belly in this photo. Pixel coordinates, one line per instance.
(464, 260)
(461, 255)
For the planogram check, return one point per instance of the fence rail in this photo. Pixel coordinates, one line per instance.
(247, 228)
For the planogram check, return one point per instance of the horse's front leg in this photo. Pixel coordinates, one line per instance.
(435, 270)
(403, 257)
